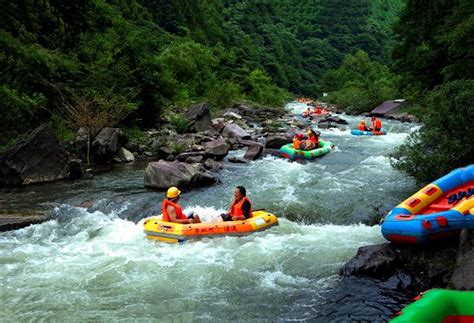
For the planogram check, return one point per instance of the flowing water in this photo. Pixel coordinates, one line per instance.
(92, 261)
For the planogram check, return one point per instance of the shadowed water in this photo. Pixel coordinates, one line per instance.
(92, 261)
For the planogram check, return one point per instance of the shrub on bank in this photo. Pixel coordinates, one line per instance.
(444, 142)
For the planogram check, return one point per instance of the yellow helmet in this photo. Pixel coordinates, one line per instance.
(172, 192)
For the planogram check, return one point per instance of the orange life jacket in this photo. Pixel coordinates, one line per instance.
(179, 211)
(377, 124)
(362, 126)
(296, 143)
(317, 110)
(236, 207)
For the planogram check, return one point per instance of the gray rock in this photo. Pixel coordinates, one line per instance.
(335, 119)
(216, 149)
(15, 221)
(237, 160)
(254, 152)
(200, 116)
(125, 155)
(107, 143)
(36, 158)
(463, 276)
(194, 159)
(232, 130)
(161, 175)
(419, 267)
(275, 142)
(212, 165)
(75, 169)
(184, 156)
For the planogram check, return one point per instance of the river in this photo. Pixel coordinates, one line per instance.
(92, 261)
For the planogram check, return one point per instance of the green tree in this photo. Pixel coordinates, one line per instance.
(444, 142)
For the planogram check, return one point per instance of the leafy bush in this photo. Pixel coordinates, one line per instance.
(445, 141)
(179, 122)
(61, 128)
(359, 84)
(225, 94)
(177, 148)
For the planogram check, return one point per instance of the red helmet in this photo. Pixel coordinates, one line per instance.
(299, 136)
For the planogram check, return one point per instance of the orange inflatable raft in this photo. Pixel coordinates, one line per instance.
(156, 229)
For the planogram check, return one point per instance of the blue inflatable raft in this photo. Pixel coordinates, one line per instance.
(439, 210)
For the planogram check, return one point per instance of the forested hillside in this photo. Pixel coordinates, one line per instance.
(96, 62)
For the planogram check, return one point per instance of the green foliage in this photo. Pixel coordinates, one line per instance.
(359, 84)
(224, 94)
(143, 55)
(259, 88)
(436, 46)
(135, 134)
(444, 142)
(177, 148)
(179, 122)
(61, 128)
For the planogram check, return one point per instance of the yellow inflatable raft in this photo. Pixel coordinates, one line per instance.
(156, 229)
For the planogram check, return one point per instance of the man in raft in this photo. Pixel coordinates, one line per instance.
(362, 126)
(313, 140)
(172, 211)
(241, 208)
(376, 124)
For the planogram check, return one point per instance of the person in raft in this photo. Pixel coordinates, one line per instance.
(241, 208)
(362, 126)
(172, 211)
(306, 113)
(376, 124)
(298, 141)
(317, 110)
(313, 140)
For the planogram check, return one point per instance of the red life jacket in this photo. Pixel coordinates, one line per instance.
(314, 139)
(179, 211)
(376, 124)
(362, 126)
(236, 207)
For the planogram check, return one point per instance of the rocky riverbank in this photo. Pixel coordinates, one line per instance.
(449, 264)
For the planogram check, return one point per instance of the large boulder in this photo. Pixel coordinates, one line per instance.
(231, 130)
(107, 143)
(254, 152)
(216, 149)
(463, 276)
(200, 116)
(18, 220)
(400, 266)
(275, 142)
(162, 174)
(36, 158)
(125, 155)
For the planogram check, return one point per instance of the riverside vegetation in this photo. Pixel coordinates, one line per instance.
(135, 64)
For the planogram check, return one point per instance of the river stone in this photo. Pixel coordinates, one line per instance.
(231, 130)
(125, 155)
(216, 149)
(212, 165)
(200, 116)
(194, 159)
(237, 160)
(384, 261)
(18, 220)
(107, 142)
(275, 142)
(463, 276)
(38, 157)
(75, 169)
(254, 152)
(161, 175)
(184, 156)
